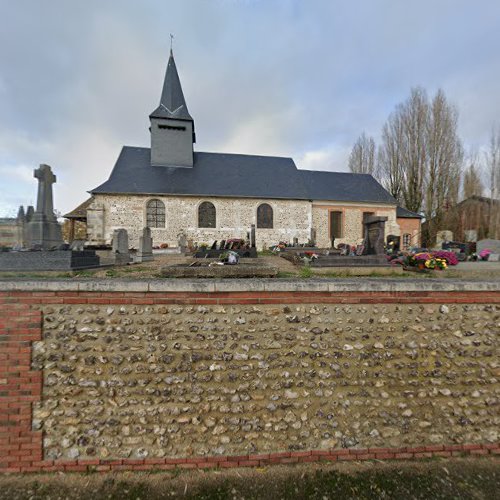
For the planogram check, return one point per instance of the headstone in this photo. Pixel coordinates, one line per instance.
(145, 252)
(443, 237)
(120, 246)
(493, 245)
(78, 245)
(252, 236)
(470, 235)
(375, 234)
(43, 230)
(312, 237)
(182, 242)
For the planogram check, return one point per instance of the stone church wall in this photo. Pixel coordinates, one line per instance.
(97, 377)
(292, 219)
(352, 221)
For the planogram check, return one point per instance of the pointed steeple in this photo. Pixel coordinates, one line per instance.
(172, 127)
(172, 102)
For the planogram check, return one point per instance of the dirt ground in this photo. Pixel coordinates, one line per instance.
(476, 478)
(464, 270)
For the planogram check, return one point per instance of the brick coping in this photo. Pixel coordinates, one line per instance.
(256, 460)
(394, 285)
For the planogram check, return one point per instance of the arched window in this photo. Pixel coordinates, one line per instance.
(155, 213)
(265, 216)
(206, 214)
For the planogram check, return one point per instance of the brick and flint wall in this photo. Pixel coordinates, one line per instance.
(291, 219)
(161, 374)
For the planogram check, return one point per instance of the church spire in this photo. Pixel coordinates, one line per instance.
(172, 102)
(172, 127)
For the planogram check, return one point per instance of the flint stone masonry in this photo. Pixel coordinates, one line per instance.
(154, 381)
(245, 375)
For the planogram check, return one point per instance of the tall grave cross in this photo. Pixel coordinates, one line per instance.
(44, 201)
(43, 230)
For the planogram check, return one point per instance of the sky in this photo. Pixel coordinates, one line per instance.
(299, 78)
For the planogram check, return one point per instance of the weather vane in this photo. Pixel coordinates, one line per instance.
(171, 41)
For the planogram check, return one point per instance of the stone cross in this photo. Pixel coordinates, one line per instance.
(44, 201)
(42, 229)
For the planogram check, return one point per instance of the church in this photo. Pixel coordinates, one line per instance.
(174, 190)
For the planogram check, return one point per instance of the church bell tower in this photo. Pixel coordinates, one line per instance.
(172, 127)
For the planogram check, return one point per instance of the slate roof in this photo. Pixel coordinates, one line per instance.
(344, 186)
(172, 102)
(235, 175)
(403, 213)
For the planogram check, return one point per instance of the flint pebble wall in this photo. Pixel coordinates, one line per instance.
(213, 375)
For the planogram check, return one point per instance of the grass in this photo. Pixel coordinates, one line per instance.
(444, 479)
(305, 272)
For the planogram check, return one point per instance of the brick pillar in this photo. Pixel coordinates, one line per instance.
(20, 387)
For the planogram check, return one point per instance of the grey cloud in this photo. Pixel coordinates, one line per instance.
(295, 78)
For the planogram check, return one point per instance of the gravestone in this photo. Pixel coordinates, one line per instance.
(182, 242)
(43, 230)
(252, 236)
(375, 234)
(470, 235)
(120, 246)
(443, 236)
(78, 245)
(493, 245)
(145, 253)
(312, 237)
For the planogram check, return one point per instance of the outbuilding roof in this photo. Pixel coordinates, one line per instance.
(403, 213)
(236, 175)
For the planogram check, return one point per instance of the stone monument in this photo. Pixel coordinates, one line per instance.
(442, 237)
(43, 230)
(145, 252)
(120, 246)
(488, 244)
(375, 234)
(252, 236)
(470, 235)
(182, 242)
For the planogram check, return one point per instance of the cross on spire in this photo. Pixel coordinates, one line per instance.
(171, 42)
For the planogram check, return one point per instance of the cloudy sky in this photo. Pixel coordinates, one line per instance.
(300, 78)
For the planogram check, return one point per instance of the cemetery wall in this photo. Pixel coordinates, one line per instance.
(234, 216)
(160, 374)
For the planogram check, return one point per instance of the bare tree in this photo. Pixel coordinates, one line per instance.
(472, 185)
(362, 158)
(493, 170)
(402, 160)
(443, 162)
(420, 158)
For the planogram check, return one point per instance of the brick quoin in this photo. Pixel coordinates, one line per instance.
(20, 386)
